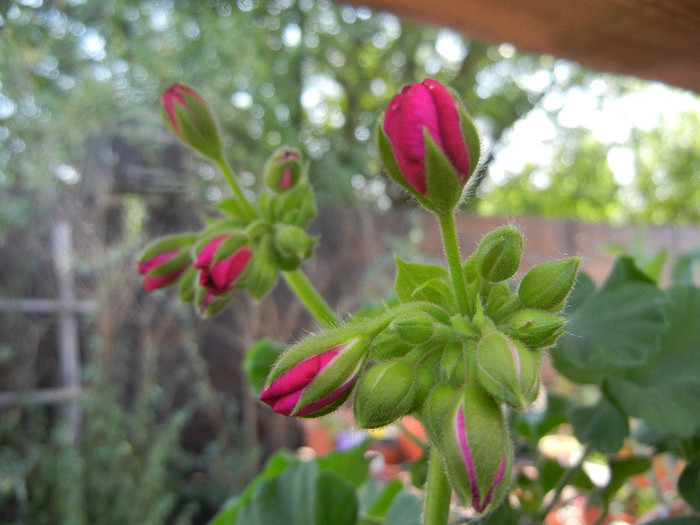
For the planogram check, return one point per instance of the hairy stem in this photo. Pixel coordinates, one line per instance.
(438, 492)
(311, 299)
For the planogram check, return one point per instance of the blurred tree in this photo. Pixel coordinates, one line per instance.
(315, 74)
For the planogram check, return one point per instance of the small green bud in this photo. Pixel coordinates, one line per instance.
(535, 328)
(413, 327)
(384, 394)
(388, 345)
(499, 253)
(425, 381)
(262, 276)
(508, 370)
(547, 285)
(292, 245)
(283, 169)
(435, 409)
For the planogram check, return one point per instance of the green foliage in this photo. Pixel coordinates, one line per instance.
(335, 488)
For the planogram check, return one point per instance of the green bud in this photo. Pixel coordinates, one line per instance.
(262, 275)
(186, 289)
(388, 345)
(508, 370)
(435, 409)
(292, 245)
(283, 169)
(535, 328)
(547, 285)
(413, 327)
(384, 394)
(498, 255)
(425, 381)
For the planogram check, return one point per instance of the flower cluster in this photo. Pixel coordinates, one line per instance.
(461, 346)
(248, 246)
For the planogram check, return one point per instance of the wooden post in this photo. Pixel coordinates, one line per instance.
(68, 348)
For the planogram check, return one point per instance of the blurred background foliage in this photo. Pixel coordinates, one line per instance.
(79, 87)
(559, 140)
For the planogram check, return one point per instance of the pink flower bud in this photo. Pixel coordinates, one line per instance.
(187, 115)
(220, 269)
(315, 376)
(477, 450)
(429, 137)
(165, 260)
(153, 281)
(283, 170)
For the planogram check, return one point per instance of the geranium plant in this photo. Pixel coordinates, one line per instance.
(459, 350)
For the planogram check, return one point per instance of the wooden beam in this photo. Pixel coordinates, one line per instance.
(650, 39)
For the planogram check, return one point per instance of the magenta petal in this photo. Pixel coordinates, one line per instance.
(206, 256)
(467, 457)
(286, 180)
(224, 273)
(156, 261)
(408, 115)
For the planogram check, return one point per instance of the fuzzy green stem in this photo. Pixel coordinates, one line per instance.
(438, 492)
(231, 179)
(312, 300)
(454, 260)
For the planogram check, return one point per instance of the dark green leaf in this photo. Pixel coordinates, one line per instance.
(602, 425)
(336, 501)
(382, 501)
(614, 332)
(689, 483)
(404, 510)
(687, 269)
(351, 464)
(666, 394)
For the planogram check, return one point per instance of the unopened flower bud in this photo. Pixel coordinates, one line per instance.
(221, 261)
(429, 144)
(315, 376)
(499, 253)
(384, 394)
(508, 370)
(414, 327)
(477, 450)
(283, 169)
(535, 328)
(164, 261)
(292, 245)
(187, 115)
(547, 285)
(452, 359)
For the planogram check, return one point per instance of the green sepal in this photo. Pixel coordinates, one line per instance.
(167, 244)
(196, 126)
(292, 245)
(444, 188)
(436, 291)
(188, 282)
(261, 276)
(437, 406)
(535, 328)
(471, 137)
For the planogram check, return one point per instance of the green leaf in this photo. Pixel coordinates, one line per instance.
(405, 509)
(351, 464)
(410, 276)
(275, 465)
(602, 425)
(382, 501)
(665, 394)
(689, 483)
(687, 269)
(258, 362)
(614, 331)
(336, 501)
